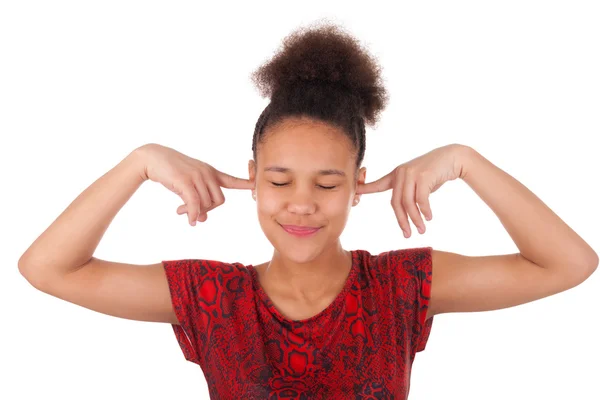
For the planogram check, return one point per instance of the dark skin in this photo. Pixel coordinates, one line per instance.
(305, 274)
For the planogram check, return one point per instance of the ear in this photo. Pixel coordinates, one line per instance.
(252, 176)
(251, 170)
(362, 176)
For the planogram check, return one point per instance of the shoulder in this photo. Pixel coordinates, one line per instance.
(404, 263)
(197, 269)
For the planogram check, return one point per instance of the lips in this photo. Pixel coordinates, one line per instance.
(297, 228)
(300, 230)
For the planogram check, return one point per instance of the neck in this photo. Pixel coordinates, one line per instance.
(307, 281)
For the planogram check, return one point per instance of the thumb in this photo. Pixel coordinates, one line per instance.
(232, 182)
(380, 185)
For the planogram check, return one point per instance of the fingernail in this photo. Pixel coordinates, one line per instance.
(405, 234)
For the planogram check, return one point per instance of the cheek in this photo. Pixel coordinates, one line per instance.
(268, 204)
(335, 206)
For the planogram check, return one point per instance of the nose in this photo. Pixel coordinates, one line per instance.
(302, 201)
(301, 208)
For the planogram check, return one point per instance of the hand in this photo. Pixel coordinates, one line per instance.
(413, 182)
(196, 182)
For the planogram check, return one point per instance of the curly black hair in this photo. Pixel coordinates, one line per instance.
(323, 73)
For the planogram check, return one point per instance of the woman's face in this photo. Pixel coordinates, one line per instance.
(291, 189)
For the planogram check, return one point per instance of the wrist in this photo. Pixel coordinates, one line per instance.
(138, 160)
(467, 156)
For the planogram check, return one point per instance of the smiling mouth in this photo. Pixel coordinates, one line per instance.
(300, 231)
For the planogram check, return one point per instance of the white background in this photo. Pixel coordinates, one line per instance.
(84, 83)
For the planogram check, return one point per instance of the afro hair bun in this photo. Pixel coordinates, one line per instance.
(328, 57)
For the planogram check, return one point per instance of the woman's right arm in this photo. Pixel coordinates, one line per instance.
(71, 240)
(61, 263)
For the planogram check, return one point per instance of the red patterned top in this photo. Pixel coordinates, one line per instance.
(361, 346)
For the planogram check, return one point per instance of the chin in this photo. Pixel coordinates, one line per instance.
(299, 254)
(297, 249)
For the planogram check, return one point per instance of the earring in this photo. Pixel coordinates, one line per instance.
(355, 201)
(254, 196)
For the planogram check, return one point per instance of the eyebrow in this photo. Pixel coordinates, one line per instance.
(321, 172)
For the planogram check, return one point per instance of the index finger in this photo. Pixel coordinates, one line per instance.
(380, 185)
(232, 182)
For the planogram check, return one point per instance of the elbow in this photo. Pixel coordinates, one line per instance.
(595, 262)
(23, 269)
(588, 271)
(34, 279)
(585, 267)
(593, 268)
(592, 265)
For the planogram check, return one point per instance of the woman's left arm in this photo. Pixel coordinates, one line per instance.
(552, 257)
(541, 236)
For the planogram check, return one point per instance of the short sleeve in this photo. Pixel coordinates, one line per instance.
(415, 266)
(196, 289)
(423, 280)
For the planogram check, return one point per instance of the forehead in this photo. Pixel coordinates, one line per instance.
(301, 144)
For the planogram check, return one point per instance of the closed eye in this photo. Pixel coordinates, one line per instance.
(321, 186)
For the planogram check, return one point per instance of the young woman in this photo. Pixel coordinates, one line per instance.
(316, 321)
